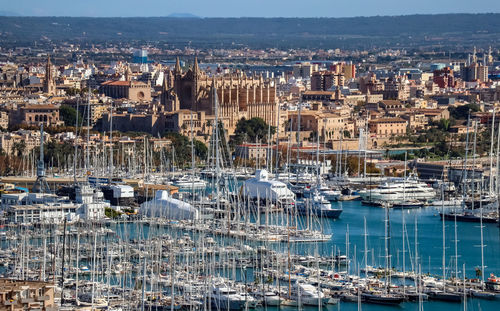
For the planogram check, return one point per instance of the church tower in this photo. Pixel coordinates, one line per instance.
(128, 74)
(49, 85)
(168, 98)
(474, 56)
(195, 89)
(177, 69)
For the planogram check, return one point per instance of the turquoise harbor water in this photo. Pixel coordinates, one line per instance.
(429, 248)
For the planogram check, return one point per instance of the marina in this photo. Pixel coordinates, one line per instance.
(202, 179)
(121, 256)
(281, 239)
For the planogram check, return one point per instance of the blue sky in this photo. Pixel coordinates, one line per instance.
(238, 8)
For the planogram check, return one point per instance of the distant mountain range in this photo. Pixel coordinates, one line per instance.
(179, 29)
(183, 15)
(9, 13)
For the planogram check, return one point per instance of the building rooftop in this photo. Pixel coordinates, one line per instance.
(116, 83)
(387, 120)
(318, 93)
(7, 285)
(39, 107)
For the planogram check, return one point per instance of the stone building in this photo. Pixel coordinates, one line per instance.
(152, 123)
(387, 127)
(38, 114)
(330, 125)
(131, 90)
(28, 139)
(26, 295)
(4, 120)
(239, 96)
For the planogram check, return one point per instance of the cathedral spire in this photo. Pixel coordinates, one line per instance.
(165, 82)
(177, 69)
(196, 69)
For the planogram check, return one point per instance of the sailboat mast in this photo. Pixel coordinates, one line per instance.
(318, 172)
(298, 143)
(277, 141)
(444, 240)
(386, 247)
(76, 141)
(464, 175)
(77, 264)
(366, 247)
(473, 181)
(87, 161)
(491, 151)
(110, 168)
(482, 241)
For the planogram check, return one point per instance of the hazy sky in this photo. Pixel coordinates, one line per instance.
(238, 8)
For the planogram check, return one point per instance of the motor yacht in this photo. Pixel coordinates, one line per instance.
(226, 298)
(398, 190)
(319, 206)
(308, 295)
(188, 182)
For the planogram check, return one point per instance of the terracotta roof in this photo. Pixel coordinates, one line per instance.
(387, 120)
(122, 83)
(39, 107)
(318, 93)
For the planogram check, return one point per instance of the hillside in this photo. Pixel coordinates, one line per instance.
(279, 32)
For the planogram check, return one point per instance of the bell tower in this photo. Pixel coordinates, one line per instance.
(49, 85)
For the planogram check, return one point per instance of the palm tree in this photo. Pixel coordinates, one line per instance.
(18, 148)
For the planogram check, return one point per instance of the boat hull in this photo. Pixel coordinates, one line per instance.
(467, 218)
(330, 213)
(382, 300)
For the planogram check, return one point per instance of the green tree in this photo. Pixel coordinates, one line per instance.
(18, 148)
(253, 130)
(57, 152)
(72, 91)
(182, 147)
(68, 115)
(461, 112)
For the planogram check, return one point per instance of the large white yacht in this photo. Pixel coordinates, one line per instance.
(308, 295)
(262, 188)
(398, 190)
(226, 298)
(318, 205)
(327, 192)
(187, 182)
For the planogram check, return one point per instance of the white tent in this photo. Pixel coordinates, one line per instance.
(163, 205)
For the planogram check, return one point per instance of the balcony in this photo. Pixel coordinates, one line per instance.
(42, 298)
(27, 300)
(9, 302)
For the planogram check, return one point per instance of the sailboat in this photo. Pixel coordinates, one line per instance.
(385, 297)
(482, 293)
(443, 294)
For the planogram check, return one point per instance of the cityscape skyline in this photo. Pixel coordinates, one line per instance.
(248, 155)
(226, 8)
